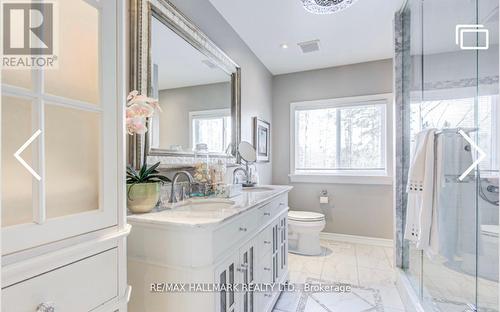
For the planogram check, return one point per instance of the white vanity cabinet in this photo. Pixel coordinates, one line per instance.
(248, 247)
(64, 211)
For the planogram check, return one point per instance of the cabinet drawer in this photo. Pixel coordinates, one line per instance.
(78, 287)
(272, 209)
(230, 234)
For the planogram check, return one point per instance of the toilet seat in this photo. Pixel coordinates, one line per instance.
(305, 216)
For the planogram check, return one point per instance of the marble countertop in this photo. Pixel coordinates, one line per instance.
(217, 211)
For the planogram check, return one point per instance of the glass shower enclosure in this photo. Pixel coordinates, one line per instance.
(446, 76)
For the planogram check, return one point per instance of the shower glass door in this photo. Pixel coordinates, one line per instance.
(455, 90)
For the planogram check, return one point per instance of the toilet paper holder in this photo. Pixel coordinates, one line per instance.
(323, 197)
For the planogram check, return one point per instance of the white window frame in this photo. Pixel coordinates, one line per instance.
(210, 113)
(344, 176)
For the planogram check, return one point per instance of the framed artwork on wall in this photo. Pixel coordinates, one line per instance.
(262, 139)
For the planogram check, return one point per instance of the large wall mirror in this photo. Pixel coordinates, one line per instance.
(197, 85)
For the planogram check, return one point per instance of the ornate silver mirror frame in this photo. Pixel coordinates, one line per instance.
(140, 67)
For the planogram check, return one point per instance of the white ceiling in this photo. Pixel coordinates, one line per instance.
(179, 63)
(360, 33)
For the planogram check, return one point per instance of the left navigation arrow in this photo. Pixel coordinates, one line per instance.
(22, 148)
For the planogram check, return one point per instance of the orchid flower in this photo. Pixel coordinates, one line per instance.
(132, 95)
(139, 107)
(140, 110)
(136, 125)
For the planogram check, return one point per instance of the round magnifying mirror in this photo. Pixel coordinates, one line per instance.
(247, 152)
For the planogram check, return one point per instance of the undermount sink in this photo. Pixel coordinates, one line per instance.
(212, 205)
(257, 189)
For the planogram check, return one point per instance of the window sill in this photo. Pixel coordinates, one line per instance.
(341, 179)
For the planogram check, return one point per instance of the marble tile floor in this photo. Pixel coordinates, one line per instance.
(368, 269)
(448, 290)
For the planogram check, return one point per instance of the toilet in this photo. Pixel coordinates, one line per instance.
(304, 228)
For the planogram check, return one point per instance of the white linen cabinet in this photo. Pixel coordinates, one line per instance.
(63, 224)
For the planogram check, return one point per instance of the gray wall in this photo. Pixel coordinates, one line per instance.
(256, 92)
(178, 102)
(354, 209)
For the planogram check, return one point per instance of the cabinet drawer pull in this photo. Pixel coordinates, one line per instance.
(46, 307)
(244, 265)
(267, 214)
(267, 242)
(267, 269)
(267, 295)
(242, 229)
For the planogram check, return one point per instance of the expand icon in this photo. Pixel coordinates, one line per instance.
(480, 34)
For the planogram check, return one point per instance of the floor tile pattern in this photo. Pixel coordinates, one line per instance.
(357, 299)
(368, 269)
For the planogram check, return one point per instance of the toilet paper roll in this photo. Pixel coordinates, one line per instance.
(323, 200)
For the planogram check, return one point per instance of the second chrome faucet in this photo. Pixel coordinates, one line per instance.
(173, 198)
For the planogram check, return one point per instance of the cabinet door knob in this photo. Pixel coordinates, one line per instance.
(243, 268)
(46, 307)
(242, 229)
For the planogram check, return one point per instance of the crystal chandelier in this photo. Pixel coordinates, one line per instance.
(326, 6)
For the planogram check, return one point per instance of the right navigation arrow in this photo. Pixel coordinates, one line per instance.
(481, 153)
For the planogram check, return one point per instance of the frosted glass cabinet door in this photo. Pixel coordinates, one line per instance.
(17, 182)
(75, 155)
(72, 149)
(77, 77)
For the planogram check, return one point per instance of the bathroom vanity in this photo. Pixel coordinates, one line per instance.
(206, 242)
(203, 242)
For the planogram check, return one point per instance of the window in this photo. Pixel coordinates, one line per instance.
(211, 127)
(340, 137)
(462, 113)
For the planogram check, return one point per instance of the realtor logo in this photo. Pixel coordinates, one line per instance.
(480, 37)
(28, 28)
(28, 34)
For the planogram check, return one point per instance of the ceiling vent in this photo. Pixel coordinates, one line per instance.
(309, 46)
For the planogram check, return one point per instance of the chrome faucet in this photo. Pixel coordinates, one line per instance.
(247, 178)
(173, 198)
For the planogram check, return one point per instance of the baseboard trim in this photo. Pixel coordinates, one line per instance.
(355, 239)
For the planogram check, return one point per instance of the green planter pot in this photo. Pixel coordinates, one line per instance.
(142, 197)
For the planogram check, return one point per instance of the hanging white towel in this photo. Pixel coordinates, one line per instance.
(452, 235)
(420, 190)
